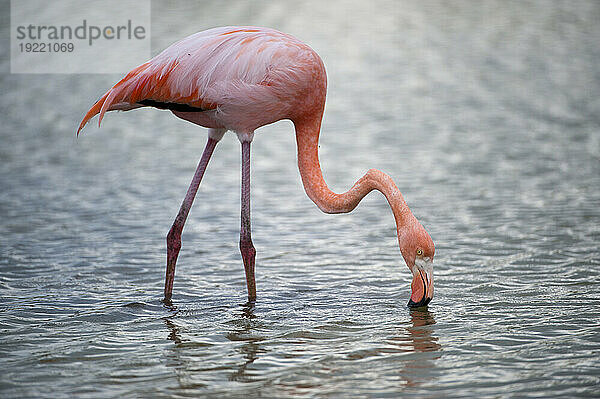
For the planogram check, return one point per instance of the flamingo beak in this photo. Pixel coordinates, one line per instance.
(422, 284)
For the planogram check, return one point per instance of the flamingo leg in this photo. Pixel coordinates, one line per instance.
(174, 235)
(246, 246)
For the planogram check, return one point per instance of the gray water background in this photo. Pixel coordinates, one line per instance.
(486, 114)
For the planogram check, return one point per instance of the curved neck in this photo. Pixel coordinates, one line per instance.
(307, 138)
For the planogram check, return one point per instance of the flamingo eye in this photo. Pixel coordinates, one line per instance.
(419, 252)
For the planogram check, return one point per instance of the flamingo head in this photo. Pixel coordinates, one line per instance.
(418, 250)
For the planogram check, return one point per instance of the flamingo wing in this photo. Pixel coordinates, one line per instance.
(240, 74)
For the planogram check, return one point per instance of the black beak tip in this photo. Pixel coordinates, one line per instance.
(423, 302)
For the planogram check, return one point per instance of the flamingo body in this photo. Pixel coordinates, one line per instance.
(242, 78)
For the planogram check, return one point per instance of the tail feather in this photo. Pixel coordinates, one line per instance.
(150, 81)
(116, 97)
(110, 99)
(92, 112)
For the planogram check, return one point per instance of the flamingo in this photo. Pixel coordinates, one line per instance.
(239, 79)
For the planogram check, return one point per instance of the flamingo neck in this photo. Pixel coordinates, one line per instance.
(307, 138)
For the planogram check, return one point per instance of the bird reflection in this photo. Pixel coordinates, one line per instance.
(243, 331)
(421, 331)
(174, 334)
(174, 357)
(187, 356)
(416, 339)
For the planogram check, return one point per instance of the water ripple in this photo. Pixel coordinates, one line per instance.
(488, 125)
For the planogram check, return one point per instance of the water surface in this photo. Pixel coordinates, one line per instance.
(485, 115)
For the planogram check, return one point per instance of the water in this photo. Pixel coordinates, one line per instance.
(486, 116)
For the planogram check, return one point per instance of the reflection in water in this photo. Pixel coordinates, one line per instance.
(174, 334)
(167, 303)
(421, 331)
(250, 349)
(175, 359)
(423, 346)
(188, 357)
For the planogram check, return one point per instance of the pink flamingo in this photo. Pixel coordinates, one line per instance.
(242, 78)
